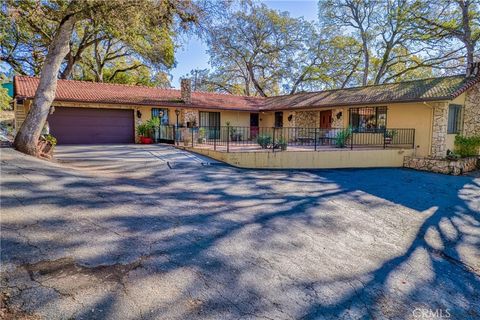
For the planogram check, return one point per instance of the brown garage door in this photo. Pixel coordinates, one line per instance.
(91, 126)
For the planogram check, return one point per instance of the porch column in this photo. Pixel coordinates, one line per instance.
(189, 115)
(439, 130)
(337, 117)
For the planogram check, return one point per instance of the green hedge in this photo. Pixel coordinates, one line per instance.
(467, 146)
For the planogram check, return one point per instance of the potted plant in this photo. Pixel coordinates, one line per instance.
(143, 131)
(264, 140)
(45, 146)
(342, 137)
(154, 124)
(389, 134)
(282, 143)
(201, 135)
(191, 121)
(234, 134)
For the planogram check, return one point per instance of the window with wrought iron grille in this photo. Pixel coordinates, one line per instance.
(454, 118)
(368, 118)
(162, 114)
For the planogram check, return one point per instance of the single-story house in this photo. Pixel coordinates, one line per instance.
(436, 108)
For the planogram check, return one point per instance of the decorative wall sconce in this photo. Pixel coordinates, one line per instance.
(139, 114)
(339, 115)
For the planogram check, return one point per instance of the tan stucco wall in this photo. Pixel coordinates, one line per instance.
(235, 118)
(406, 115)
(450, 142)
(417, 116)
(267, 119)
(310, 159)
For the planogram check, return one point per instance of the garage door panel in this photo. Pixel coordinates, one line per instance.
(90, 126)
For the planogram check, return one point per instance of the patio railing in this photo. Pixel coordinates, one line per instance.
(276, 139)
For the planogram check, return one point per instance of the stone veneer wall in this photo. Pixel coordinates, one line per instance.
(453, 167)
(337, 123)
(471, 112)
(307, 119)
(188, 115)
(439, 130)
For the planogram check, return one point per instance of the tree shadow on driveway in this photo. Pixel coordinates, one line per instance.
(219, 242)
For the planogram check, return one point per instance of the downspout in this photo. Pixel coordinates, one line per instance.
(430, 133)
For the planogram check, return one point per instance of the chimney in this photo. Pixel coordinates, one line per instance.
(186, 90)
(473, 69)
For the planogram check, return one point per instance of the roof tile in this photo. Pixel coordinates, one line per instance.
(442, 88)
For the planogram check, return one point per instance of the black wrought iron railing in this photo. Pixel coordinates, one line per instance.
(163, 133)
(269, 138)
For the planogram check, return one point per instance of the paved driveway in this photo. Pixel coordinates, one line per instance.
(215, 242)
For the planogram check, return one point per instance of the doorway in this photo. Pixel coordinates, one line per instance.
(253, 125)
(326, 119)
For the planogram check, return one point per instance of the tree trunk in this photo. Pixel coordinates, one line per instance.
(467, 37)
(254, 81)
(383, 65)
(366, 59)
(29, 133)
(69, 67)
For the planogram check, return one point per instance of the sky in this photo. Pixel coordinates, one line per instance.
(193, 54)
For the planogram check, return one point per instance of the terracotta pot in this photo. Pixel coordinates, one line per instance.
(146, 140)
(44, 149)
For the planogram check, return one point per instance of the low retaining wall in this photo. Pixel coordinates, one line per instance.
(454, 167)
(310, 159)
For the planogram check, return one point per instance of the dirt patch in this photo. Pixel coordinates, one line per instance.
(67, 268)
(7, 312)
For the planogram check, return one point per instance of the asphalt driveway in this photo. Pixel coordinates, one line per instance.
(90, 239)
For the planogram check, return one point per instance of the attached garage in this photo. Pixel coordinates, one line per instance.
(92, 125)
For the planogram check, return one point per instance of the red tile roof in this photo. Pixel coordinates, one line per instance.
(107, 93)
(433, 89)
(441, 88)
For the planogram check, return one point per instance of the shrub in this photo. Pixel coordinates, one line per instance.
(467, 146)
(264, 140)
(282, 143)
(153, 123)
(390, 133)
(202, 133)
(143, 129)
(342, 137)
(51, 139)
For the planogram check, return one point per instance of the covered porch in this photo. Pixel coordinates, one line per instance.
(287, 139)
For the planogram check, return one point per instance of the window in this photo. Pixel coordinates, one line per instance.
(211, 122)
(162, 114)
(454, 111)
(278, 119)
(368, 118)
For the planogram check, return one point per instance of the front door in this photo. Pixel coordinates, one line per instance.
(326, 119)
(253, 125)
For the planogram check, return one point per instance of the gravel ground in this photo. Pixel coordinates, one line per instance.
(114, 239)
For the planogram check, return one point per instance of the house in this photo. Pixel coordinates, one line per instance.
(436, 109)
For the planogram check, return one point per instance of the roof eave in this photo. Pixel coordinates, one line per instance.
(331, 105)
